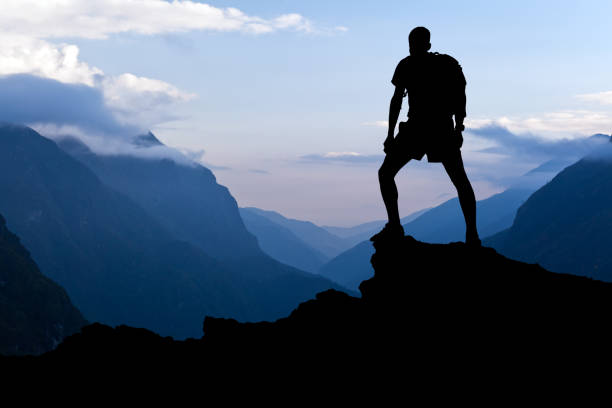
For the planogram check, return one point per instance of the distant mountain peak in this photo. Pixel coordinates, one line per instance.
(601, 136)
(550, 166)
(147, 140)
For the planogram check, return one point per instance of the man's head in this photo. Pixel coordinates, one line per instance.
(419, 41)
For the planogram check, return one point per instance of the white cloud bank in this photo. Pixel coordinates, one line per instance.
(135, 100)
(603, 98)
(342, 157)
(26, 55)
(552, 126)
(377, 123)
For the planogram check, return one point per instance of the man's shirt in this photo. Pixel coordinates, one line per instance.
(435, 85)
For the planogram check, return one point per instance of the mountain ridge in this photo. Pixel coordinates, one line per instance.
(117, 262)
(184, 199)
(314, 236)
(281, 243)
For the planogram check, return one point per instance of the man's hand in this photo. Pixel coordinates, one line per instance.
(388, 144)
(394, 110)
(458, 136)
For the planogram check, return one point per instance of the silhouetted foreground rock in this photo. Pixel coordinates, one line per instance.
(429, 308)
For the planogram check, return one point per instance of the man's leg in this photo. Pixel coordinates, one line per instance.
(455, 170)
(386, 177)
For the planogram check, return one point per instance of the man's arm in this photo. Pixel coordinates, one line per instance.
(459, 108)
(460, 102)
(460, 112)
(394, 110)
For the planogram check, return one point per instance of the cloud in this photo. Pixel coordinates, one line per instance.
(110, 143)
(527, 146)
(141, 100)
(194, 155)
(58, 110)
(511, 160)
(554, 125)
(215, 167)
(98, 19)
(342, 157)
(25, 55)
(377, 123)
(603, 98)
(133, 100)
(258, 171)
(31, 99)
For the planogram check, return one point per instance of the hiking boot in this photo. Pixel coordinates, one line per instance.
(390, 231)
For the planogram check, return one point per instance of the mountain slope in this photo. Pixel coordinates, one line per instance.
(565, 225)
(445, 223)
(313, 235)
(113, 259)
(35, 312)
(117, 263)
(281, 244)
(441, 224)
(184, 198)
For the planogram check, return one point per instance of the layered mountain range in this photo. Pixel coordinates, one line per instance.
(184, 198)
(304, 244)
(143, 241)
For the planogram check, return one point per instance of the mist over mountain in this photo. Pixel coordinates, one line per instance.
(36, 314)
(184, 198)
(565, 225)
(118, 262)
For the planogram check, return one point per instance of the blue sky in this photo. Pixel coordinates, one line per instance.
(285, 110)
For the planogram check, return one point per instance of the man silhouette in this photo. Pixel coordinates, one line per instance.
(435, 86)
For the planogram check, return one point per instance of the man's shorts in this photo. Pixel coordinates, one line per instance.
(435, 138)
